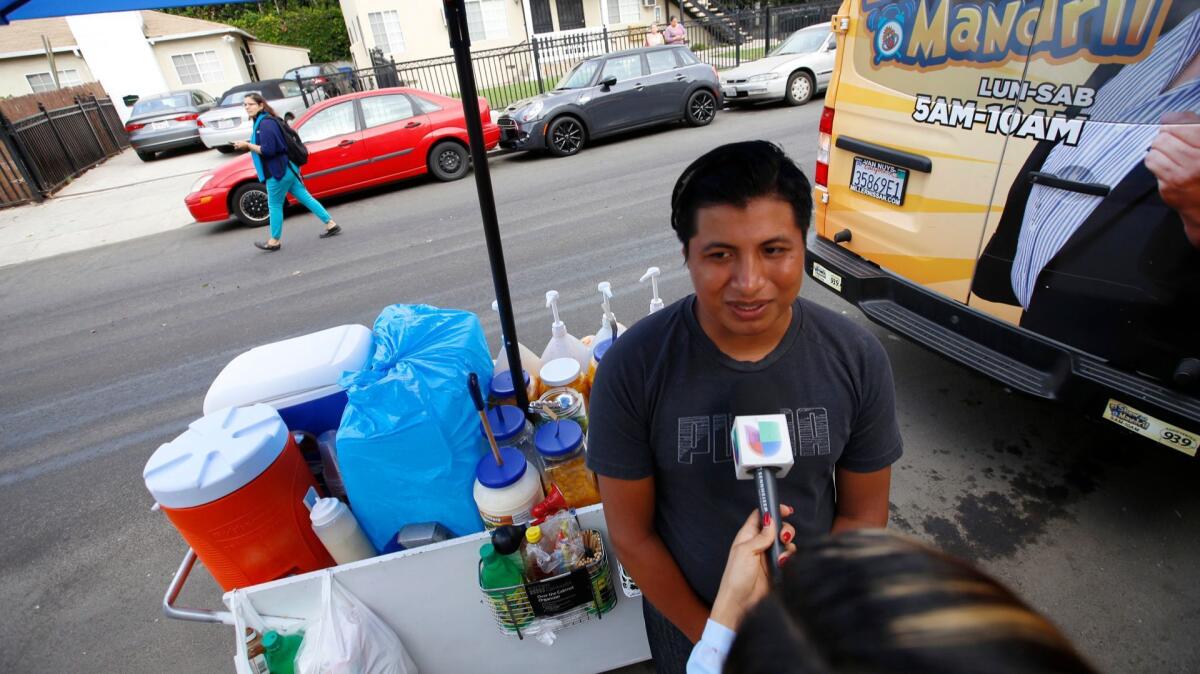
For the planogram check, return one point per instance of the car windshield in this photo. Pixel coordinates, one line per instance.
(155, 106)
(301, 73)
(802, 42)
(580, 77)
(237, 97)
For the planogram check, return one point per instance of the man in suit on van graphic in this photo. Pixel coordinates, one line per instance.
(1106, 257)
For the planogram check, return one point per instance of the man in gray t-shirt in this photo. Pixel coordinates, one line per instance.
(659, 431)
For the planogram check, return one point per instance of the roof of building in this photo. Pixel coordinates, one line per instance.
(21, 37)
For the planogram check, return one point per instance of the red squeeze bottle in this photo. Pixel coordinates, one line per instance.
(552, 504)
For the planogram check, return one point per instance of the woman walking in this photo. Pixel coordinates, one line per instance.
(269, 152)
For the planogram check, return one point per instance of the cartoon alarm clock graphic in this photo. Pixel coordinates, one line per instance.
(888, 24)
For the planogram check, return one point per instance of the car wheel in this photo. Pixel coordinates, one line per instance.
(565, 137)
(224, 149)
(449, 161)
(701, 108)
(145, 156)
(249, 205)
(799, 89)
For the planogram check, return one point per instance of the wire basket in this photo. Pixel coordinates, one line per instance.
(515, 613)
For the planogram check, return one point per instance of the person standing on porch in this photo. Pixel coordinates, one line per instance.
(655, 37)
(675, 33)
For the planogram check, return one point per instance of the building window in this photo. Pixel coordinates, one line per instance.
(198, 67)
(487, 19)
(385, 26)
(40, 82)
(624, 11)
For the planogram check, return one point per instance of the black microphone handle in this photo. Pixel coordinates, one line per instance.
(768, 504)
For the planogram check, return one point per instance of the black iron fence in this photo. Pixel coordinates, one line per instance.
(42, 152)
(507, 74)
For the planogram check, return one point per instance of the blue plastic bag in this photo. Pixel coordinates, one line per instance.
(409, 439)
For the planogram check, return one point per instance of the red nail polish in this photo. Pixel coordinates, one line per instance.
(766, 520)
(786, 537)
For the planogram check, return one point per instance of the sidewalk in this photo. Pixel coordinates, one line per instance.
(121, 199)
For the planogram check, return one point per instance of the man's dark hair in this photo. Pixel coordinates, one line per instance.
(734, 174)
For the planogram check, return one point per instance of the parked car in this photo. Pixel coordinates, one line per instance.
(320, 81)
(227, 123)
(613, 93)
(355, 141)
(167, 121)
(795, 70)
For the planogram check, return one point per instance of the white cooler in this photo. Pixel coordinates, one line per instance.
(298, 377)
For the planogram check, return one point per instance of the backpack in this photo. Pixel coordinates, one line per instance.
(296, 152)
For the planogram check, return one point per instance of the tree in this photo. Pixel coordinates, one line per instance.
(316, 25)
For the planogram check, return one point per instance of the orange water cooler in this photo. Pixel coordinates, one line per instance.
(233, 484)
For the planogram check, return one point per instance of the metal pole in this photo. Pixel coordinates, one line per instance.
(767, 29)
(53, 129)
(460, 42)
(537, 69)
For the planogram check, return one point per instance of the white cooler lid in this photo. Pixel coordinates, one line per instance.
(217, 455)
(294, 366)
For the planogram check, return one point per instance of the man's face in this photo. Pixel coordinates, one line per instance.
(746, 265)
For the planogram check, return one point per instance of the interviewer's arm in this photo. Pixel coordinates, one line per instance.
(629, 510)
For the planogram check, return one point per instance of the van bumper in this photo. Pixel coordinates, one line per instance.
(1019, 359)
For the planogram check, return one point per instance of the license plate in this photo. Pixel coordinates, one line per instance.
(225, 123)
(729, 92)
(158, 126)
(879, 180)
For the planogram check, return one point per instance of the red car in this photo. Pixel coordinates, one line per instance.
(354, 141)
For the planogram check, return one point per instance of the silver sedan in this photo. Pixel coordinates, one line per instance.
(795, 70)
(227, 123)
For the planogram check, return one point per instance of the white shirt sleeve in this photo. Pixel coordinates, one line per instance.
(708, 655)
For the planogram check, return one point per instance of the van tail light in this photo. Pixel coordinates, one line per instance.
(133, 126)
(824, 142)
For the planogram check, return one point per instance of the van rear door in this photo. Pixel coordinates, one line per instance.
(913, 165)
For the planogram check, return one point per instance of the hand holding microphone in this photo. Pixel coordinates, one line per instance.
(746, 579)
(762, 450)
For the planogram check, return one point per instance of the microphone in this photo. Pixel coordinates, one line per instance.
(762, 450)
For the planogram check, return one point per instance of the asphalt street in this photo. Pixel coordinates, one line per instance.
(108, 352)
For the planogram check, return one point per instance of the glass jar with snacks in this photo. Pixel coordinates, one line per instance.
(561, 403)
(564, 373)
(512, 429)
(563, 449)
(502, 392)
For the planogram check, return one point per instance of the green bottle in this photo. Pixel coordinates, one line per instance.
(499, 571)
(281, 651)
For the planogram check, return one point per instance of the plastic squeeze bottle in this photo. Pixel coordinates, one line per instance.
(563, 344)
(607, 319)
(338, 530)
(530, 362)
(500, 571)
(281, 651)
(656, 303)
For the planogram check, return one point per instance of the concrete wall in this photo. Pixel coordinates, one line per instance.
(118, 55)
(273, 60)
(233, 66)
(13, 71)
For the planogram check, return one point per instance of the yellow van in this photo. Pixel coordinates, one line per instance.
(1015, 184)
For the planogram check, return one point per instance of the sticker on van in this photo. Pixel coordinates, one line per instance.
(1147, 426)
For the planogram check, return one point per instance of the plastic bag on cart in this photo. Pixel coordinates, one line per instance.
(409, 439)
(348, 638)
(247, 621)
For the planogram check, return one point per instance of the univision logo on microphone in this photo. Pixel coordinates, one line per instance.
(764, 438)
(761, 441)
